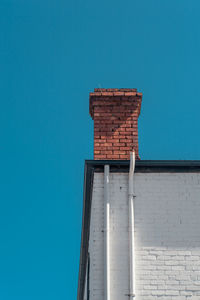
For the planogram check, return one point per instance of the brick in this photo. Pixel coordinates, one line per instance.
(113, 141)
(124, 125)
(124, 148)
(107, 94)
(107, 152)
(120, 145)
(98, 156)
(99, 148)
(130, 93)
(124, 156)
(130, 129)
(112, 148)
(119, 152)
(112, 156)
(125, 140)
(115, 113)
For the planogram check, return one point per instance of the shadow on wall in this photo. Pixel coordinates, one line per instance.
(167, 210)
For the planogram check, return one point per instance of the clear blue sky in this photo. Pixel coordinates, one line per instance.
(52, 54)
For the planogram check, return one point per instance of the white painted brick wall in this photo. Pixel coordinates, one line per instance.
(167, 236)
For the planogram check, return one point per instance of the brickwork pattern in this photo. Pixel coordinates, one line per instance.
(115, 113)
(167, 236)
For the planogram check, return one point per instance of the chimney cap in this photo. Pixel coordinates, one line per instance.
(115, 90)
(123, 92)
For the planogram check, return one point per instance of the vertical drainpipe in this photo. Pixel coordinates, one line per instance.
(106, 234)
(131, 225)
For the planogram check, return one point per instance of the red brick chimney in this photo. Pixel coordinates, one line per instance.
(115, 113)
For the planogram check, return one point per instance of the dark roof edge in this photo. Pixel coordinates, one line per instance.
(92, 166)
(147, 165)
(87, 197)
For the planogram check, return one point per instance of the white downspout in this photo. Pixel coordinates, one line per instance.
(131, 225)
(106, 234)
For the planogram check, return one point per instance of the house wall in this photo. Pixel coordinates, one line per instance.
(167, 236)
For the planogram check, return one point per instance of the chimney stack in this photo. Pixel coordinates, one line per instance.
(115, 113)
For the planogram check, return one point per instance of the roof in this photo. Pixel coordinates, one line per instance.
(118, 166)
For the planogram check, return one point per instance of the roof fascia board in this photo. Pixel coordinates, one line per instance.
(87, 198)
(147, 165)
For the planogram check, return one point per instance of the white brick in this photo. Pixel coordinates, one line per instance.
(167, 236)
